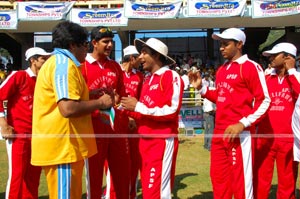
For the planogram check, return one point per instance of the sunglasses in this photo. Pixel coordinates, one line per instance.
(103, 30)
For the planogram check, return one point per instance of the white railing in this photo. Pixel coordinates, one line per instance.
(192, 98)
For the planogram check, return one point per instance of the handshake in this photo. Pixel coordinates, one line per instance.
(106, 96)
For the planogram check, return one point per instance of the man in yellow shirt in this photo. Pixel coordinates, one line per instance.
(62, 133)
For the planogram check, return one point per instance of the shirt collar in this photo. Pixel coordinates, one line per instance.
(161, 70)
(30, 72)
(89, 58)
(241, 59)
(133, 70)
(67, 53)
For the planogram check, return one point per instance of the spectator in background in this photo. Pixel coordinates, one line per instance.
(185, 79)
(157, 113)
(2, 66)
(278, 147)
(62, 129)
(185, 65)
(241, 99)
(17, 89)
(209, 110)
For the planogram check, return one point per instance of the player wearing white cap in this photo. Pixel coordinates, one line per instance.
(18, 89)
(157, 114)
(277, 142)
(241, 99)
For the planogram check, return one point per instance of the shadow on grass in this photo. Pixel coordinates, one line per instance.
(179, 185)
(2, 195)
(204, 195)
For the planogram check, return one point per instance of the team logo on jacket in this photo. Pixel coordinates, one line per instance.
(154, 87)
(135, 82)
(111, 74)
(231, 76)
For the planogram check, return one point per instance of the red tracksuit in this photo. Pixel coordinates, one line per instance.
(277, 144)
(23, 178)
(133, 82)
(157, 114)
(107, 76)
(241, 95)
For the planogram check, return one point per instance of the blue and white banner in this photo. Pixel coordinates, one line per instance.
(8, 20)
(216, 8)
(274, 8)
(151, 11)
(107, 17)
(39, 11)
(191, 117)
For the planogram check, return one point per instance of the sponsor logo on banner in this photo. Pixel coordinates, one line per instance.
(212, 8)
(8, 20)
(38, 11)
(191, 117)
(107, 17)
(152, 11)
(274, 8)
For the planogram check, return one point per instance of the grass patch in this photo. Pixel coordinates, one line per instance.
(192, 172)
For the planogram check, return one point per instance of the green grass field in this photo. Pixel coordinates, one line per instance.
(192, 171)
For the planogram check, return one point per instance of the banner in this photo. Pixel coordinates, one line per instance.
(274, 8)
(151, 11)
(8, 20)
(38, 11)
(191, 117)
(107, 17)
(211, 8)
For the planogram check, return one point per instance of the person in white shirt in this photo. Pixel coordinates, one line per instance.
(209, 109)
(185, 79)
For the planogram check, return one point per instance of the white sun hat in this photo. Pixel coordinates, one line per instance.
(282, 47)
(35, 51)
(231, 33)
(130, 50)
(156, 45)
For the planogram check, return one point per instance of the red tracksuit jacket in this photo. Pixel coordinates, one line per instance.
(18, 89)
(241, 93)
(278, 119)
(106, 77)
(160, 102)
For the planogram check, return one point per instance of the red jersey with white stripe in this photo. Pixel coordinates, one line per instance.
(105, 77)
(160, 103)
(133, 82)
(279, 115)
(18, 89)
(241, 93)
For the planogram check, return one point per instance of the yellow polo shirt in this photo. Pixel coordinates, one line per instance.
(55, 139)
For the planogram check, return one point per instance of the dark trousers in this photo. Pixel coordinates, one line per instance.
(209, 125)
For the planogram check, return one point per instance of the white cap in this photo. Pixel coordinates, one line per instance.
(231, 33)
(35, 51)
(156, 45)
(130, 50)
(282, 47)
